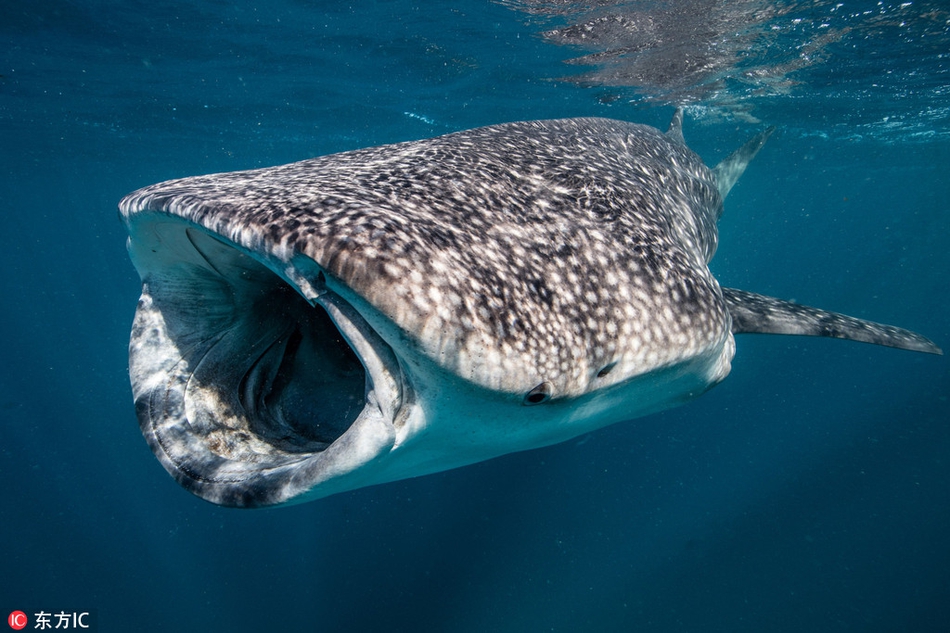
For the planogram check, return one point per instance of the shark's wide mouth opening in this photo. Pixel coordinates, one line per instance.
(238, 376)
(305, 388)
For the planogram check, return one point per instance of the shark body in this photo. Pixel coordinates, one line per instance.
(395, 311)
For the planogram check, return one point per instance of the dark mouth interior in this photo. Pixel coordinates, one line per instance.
(286, 376)
(307, 387)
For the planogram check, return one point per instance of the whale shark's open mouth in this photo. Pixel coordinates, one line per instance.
(239, 378)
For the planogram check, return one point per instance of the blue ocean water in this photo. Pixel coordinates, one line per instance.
(809, 491)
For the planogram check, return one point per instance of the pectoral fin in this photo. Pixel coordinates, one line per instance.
(757, 314)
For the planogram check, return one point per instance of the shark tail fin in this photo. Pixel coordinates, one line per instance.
(675, 131)
(753, 313)
(728, 171)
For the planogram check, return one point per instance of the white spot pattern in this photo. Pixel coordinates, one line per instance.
(511, 255)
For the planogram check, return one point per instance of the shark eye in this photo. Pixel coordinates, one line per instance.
(606, 369)
(541, 393)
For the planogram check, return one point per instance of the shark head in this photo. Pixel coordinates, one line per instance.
(396, 311)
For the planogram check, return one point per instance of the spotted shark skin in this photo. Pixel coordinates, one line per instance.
(400, 310)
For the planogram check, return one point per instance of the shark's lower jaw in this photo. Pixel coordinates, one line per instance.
(247, 393)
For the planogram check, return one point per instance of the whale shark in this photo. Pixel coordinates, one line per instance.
(394, 311)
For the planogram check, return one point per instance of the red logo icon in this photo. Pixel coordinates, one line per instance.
(17, 620)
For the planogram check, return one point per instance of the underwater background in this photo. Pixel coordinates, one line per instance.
(809, 491)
